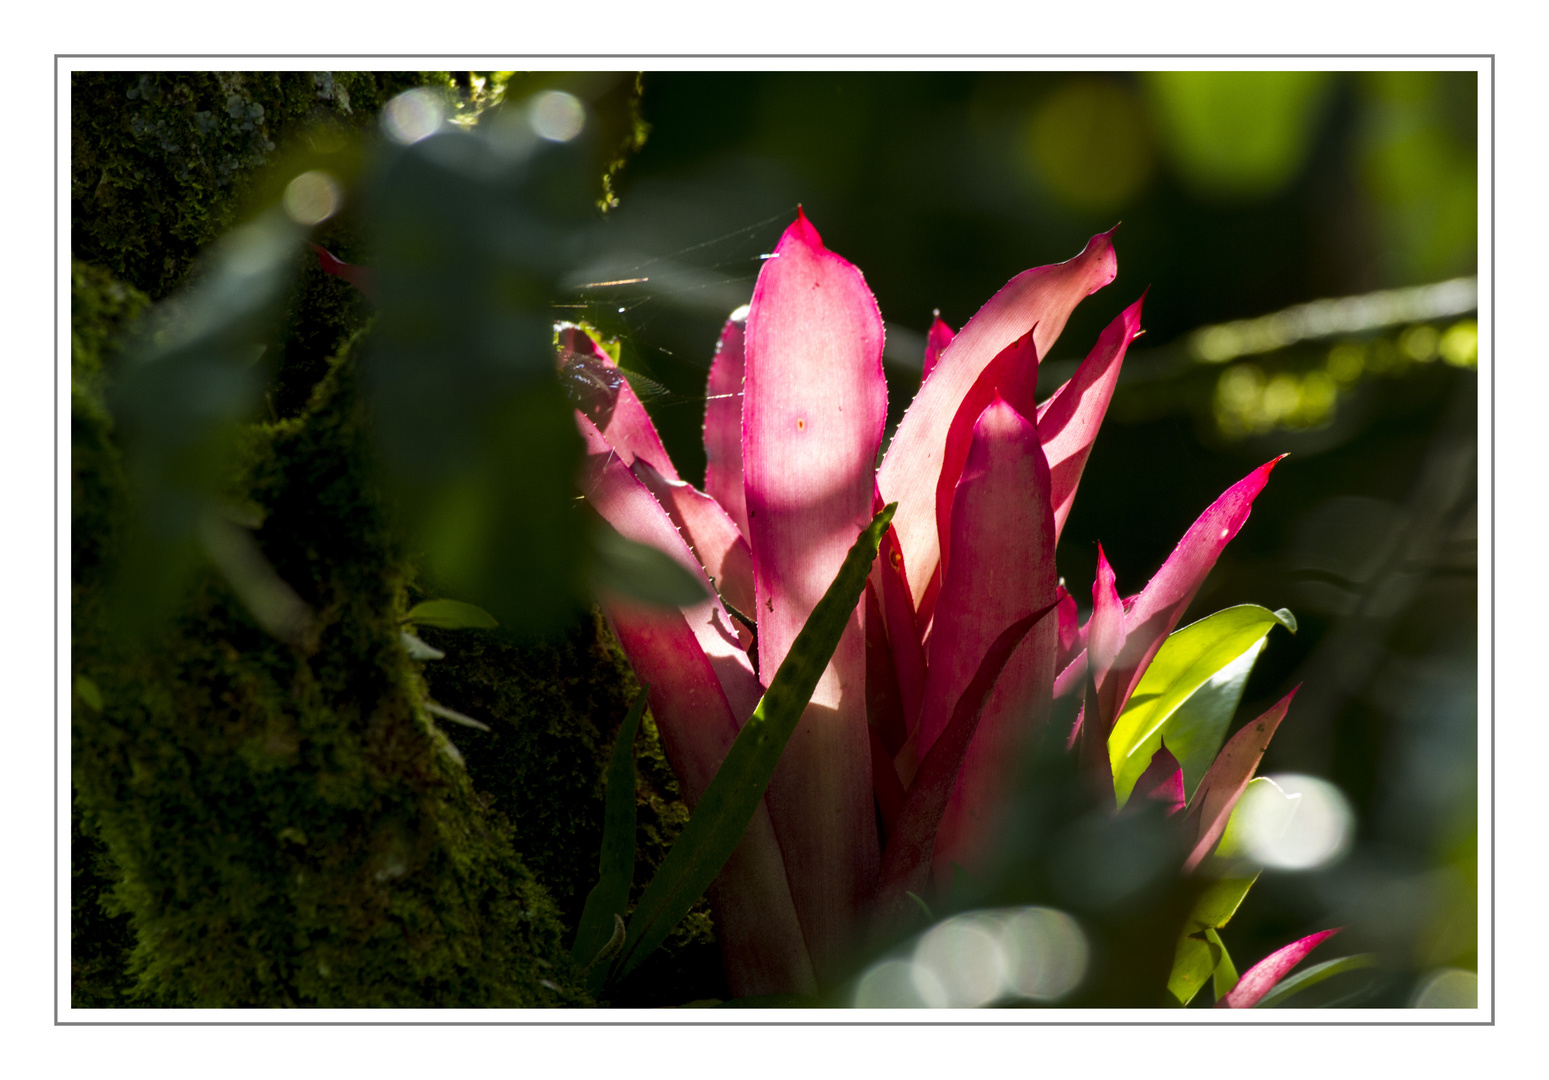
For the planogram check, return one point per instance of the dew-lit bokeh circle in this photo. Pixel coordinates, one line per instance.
(1045, 951)
(1308, 827)
(312, 197)
(557, 116)
(979, 958)
(961, 960)
(413, 115)
(1448, 988)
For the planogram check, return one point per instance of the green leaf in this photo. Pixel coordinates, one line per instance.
(1193, 963)
(1314, 975)
(616, 862)
(728, 804)
(450, 615)
(640, 571)
(1209, 659)
(1225, 976)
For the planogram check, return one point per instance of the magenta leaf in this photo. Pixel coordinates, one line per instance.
(723, 422)
(1227, 778)
(901, 628)
(813, 410)
(906, 864)
(1002, 567)
(702, 688)
(1012, 377)
(362, 277)
(1105, 639)
(1071, 641)
(1162, 780)
(1261, 978)
(711, 535)
(1069, 421)
(1044, 296)
(939, 337)
(1152, 614)
(601, 392)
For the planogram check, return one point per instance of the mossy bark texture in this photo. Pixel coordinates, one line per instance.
(286, 824)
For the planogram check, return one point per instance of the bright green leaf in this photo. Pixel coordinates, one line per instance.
(728, 804)
(1193, 964)
(605, 904)
(1197, 657)
(450, 615)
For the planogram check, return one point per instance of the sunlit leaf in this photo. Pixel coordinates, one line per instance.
(1198, 657)
(1258, 980)
(450, 615)
(616, 861)
(728, 803)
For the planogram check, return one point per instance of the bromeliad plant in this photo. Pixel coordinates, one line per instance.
(846, 725)
(877, 647)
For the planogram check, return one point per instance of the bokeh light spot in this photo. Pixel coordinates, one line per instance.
(557, 116)
(1045, 953)
(979, 958)
(312, 197)
(413, 115)
(1294, 823)
(1089, 144)
(961, 961)
(889, 985)
(1459, 346)
(1448, 988)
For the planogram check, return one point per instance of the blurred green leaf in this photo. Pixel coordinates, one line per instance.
(87, 691)
(190, 377)
(450, 615)
(606, 902)
(1241, 134)
(637, 570)
(1193, 965)
(1196, 661)
(728, 804)
(1225, 975)
(1314, 975)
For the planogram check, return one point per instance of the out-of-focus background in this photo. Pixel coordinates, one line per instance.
(1247, 200)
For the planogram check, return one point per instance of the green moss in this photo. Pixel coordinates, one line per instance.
(554, 708)
(284, 825)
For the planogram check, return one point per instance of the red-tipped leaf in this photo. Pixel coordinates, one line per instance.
(723, 422)
(939, 337)
(1002, 568)
(1153, 614)
(1069, 421)
(813, 409)
(711, 535)
(1162, 780)
(1013, 378)
(1044, 296)
(906, 864)
(1261, 978)
(1227, 778)
(603, 395)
